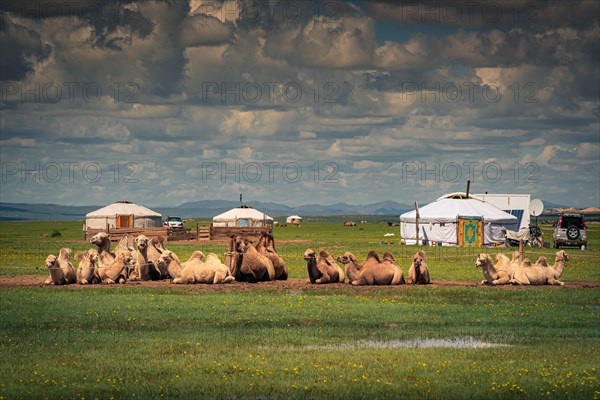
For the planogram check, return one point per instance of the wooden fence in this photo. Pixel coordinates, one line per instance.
(170, 234)
(224, 233)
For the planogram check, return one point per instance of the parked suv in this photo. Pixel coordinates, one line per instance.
(174, 222)
(570, 230)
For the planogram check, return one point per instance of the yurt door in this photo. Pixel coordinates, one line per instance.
(124, 221)
(469, 231)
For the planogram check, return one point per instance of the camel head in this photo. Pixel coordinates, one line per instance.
(347, 258)
(482, 259)
(141, 242)
(418, 258)
(309, 254)
(51, 261)
(165, 259)
(561, 256)
(240, 244)
(100, 239)
(526, 262)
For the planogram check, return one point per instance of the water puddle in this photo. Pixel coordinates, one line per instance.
(467, 342)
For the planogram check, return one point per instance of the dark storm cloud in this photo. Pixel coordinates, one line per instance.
(21, 49)
(488, 13)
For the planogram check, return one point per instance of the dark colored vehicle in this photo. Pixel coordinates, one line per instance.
(570, 230)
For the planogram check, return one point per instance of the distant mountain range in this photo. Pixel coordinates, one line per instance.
(199, 209)
(210, 208)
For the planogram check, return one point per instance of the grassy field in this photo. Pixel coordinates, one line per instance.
(337, 342)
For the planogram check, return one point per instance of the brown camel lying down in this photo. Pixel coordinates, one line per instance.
(266, 247)
(323, 269)
(418, 273)
(246, 263)
(372, 271)
(60, 268)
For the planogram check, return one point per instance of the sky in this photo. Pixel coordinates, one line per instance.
(298, 102)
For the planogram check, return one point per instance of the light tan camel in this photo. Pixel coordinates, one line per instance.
(266, 247)
(494, 274)
(538, 274)
(60, 268)
(418, 273)
(102, 240)
(198, 269)
(125, 246)
(323, 269)
(87, 271)
(146, 258)
(118, 271)
(371, 272)
(247, 264)
(170, 262)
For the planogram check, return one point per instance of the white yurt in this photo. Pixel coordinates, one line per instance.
(457, 222)
(123, 214)
(242, 217)
(293, 218)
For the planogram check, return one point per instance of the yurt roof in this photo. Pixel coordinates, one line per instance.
(447, 210)
(295, 217)
(123, 208)
(241, 212)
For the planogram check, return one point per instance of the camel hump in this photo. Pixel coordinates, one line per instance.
(324, 254)
(80, 255)
(421, 253)
(157, 241)
(65, 253)
(373, 254)
(389, 256)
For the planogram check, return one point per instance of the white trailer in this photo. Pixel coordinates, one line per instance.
(515, 204)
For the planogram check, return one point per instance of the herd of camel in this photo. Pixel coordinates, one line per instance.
(519, 271)
(144, 259)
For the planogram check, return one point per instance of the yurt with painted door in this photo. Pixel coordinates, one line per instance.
(456, 222)
(123, 214)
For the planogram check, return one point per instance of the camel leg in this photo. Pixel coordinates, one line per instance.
(283, 276)
(48, 281)
(248, 274)
(553, 281)
(323, 279)
(219, 278)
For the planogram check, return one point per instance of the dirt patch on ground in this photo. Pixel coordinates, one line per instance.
(290, 285)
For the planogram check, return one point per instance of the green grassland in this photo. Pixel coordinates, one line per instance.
(337, 342)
